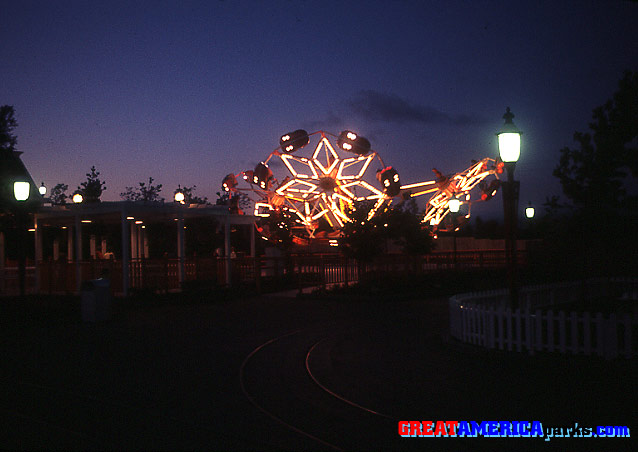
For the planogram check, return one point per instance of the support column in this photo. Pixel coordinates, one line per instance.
(78, 253)
(134, 252)
(140, 241)
(38, 253)
(93, 246)
(227, 249)
(69, 244)
(252, 241)
(103, 247)
(125, 254)
(145, 246)
(2, 262)
(180, 248)
(56, 249)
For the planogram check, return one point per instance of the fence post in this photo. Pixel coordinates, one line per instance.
(539, 330)
(611, 337)
(529, 331)
(550, 330)
(322, 268)
(586, 333)
(257, 270)
(600, 334)
(561, 331)
(499, 318)
(628, 352)
(575, 343)
(510, 336)
(519, 327)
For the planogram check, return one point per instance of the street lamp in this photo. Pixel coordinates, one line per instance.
(42, 189)
(509, 146)
(529, 210)
(454, 205)
(179, 195)
(78, 198)
(21, 190)
(21, 193)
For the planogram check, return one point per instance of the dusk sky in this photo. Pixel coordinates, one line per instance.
(186, 92)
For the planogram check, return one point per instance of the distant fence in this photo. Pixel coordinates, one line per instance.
(298, 271)
(484, 319)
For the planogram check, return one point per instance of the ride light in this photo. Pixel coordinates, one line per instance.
(351, 142)
(294, 141)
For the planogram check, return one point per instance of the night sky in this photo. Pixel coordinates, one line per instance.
(186, 92)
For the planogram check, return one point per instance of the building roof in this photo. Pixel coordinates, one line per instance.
(149, 212)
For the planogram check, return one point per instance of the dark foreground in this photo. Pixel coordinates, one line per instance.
(234, 375)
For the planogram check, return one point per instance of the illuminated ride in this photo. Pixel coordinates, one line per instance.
(320, 184)
(469, 186)
(322, 181)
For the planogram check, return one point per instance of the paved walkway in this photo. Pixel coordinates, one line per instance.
(168, 377)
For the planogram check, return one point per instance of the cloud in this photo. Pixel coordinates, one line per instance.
(375, 106)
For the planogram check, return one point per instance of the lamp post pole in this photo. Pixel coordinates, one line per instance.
(509, 142)
(21, 223)
(454, 204)
(21, 193)
(510, 205)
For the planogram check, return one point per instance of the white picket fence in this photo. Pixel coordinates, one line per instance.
(484, 319)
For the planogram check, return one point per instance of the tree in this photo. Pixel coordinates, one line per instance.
(8, 140)
(191, 198)
(239, 202)
(593, 174)
(362, 238)
(278, 228)
(405, 228)
(58, 194)
(145, 193)
(92, 188)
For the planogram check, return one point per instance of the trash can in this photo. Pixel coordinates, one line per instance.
(96, 300)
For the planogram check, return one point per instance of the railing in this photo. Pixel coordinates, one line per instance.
(10, 280)
(298, 271)
(484, 319)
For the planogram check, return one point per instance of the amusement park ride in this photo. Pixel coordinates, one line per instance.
(323, 184)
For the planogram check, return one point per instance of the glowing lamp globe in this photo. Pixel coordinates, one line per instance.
(509, 139)
(77, 198)
(454, 205)
(21, 190)
(529, 212)
(179, 197)
(42, 189)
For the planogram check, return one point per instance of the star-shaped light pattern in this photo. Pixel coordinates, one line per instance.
(323, 186)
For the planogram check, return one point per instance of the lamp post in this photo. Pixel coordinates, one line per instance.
(179, 195)
(509, 145)
(454, 205)
(529, 210)
(21, 191)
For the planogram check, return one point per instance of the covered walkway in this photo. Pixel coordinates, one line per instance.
(127, 261)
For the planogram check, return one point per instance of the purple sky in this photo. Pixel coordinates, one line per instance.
(187, 92)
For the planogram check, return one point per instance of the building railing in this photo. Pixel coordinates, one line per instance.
(484, 319)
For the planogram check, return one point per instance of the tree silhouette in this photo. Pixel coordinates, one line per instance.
(190, 197)
(8, 140)
(594, 173)
(239, 202)
(145, 193)
(58, 194)
(92, 188)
